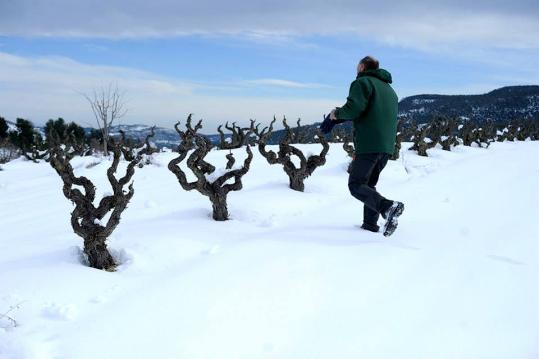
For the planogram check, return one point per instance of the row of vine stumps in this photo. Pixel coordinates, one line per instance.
(86, 218)
(448, 133)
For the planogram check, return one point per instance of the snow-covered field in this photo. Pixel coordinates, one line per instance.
(290, 275)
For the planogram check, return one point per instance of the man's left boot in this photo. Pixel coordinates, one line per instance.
(391, 215)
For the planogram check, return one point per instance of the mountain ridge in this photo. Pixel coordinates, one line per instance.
(504, 103)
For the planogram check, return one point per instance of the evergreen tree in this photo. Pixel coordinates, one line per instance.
(55, 128)
(3, 128)
(76, 132)
(25, 136)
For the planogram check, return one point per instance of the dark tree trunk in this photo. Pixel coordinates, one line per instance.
(220, 211)
(98, 255)
(446, 145)
(85, 218)
(296, 183)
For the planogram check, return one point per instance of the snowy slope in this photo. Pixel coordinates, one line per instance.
(291, 275)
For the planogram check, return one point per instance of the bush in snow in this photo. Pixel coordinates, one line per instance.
(209, 182)
(296, 175)
(86, 217)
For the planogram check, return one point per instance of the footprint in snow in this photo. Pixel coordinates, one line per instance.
(60, 312)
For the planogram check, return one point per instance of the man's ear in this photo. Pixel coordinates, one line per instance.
(361, 68)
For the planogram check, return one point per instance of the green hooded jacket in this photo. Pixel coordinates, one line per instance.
(372, 104)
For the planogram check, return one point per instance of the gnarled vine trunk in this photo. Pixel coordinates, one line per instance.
(216, 190)
(86, 217)
(296, 175)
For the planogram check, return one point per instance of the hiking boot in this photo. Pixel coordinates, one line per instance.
(391, 215)
(370, 227)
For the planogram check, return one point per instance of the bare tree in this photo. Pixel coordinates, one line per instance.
(108, 106)
(296, 175)
(216, 189)
(86, 217)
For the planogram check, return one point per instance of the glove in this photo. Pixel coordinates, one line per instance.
(328, 124)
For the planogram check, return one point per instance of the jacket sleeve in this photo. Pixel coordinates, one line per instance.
(357, 101)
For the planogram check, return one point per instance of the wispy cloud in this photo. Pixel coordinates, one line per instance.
(285, 83)
(95, 47)
(49, 87)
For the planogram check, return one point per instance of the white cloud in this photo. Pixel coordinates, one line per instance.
(418, 24)
(50, 87)
(284, 83)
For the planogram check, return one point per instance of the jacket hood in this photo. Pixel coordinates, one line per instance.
(380, 74)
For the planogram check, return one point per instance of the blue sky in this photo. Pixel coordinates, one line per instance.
(241, 61)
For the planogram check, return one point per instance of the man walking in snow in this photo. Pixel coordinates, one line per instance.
(372, 106)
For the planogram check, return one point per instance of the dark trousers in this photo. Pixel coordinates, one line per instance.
(364, 174)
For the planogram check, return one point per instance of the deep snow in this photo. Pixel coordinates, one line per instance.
(290, 275)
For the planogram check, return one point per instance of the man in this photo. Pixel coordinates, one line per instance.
(372, 106)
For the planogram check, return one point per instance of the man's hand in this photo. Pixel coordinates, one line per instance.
(329, 122)
(327, 125)
(332, 115)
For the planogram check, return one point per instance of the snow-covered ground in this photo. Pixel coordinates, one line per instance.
(290, 275)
